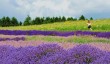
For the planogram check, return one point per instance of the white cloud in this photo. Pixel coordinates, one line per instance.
(48, 7)
(72, 8)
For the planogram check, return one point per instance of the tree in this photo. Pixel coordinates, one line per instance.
(63, 18)
(70, 19)
(91, 18)
(42, 20)
(7, 21)
(14, 22)
(0, 22)
(47, 20)
(3, 23)
(56, 19)
(53, 19)
(33, 22)
(81, 17)
(27, 21)
(59, 19)
(37, 20)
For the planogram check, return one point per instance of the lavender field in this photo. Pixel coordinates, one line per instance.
(53, 54)
(54, 32)
(53, 47)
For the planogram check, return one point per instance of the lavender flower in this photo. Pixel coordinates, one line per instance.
(14, 39)
(103, 60)
(55, 33)
(53, 54)
(84, 54)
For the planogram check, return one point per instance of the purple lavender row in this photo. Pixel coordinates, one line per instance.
(53, 54)
(14, 39)
(54, 33)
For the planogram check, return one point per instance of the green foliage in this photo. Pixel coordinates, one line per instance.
(71, 19)
(6, 22)
(91, 18)
(81, 17)
(47, 20)
(56, 19)
(14, 22)
(59, 19)
(0, 22)
(63, 18)
(37, 21)
(27, 21)
(42, 20)
(3, 21)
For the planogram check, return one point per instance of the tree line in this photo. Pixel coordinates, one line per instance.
(6, 21)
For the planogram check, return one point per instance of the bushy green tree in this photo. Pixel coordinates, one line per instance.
(63, 18)
(81, 17)
(33, 22)
(70, 19)
(27, 21)
(0, 22)
(59, 19)
(56, 19)
(42, 20)
(53, 19)
(91, 18)
(38, 20)
(47, 20)
(3, 21)
(14, 22)
(7, 21)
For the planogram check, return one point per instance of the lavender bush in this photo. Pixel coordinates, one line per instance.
(47, 50)
(84, 54)
(59, 58)
(103, 60)
(5, 51)
(27, 55)
(14, 39)
(53, 54)
(55, 33)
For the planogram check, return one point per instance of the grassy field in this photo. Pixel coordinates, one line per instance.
(97, 25)
(70, 39)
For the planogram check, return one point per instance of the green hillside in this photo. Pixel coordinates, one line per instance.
(97, 25)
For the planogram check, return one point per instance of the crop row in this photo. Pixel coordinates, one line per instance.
(55, 33)
(53, 54)
(14, 39)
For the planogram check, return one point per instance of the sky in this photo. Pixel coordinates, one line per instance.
(43, 8)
